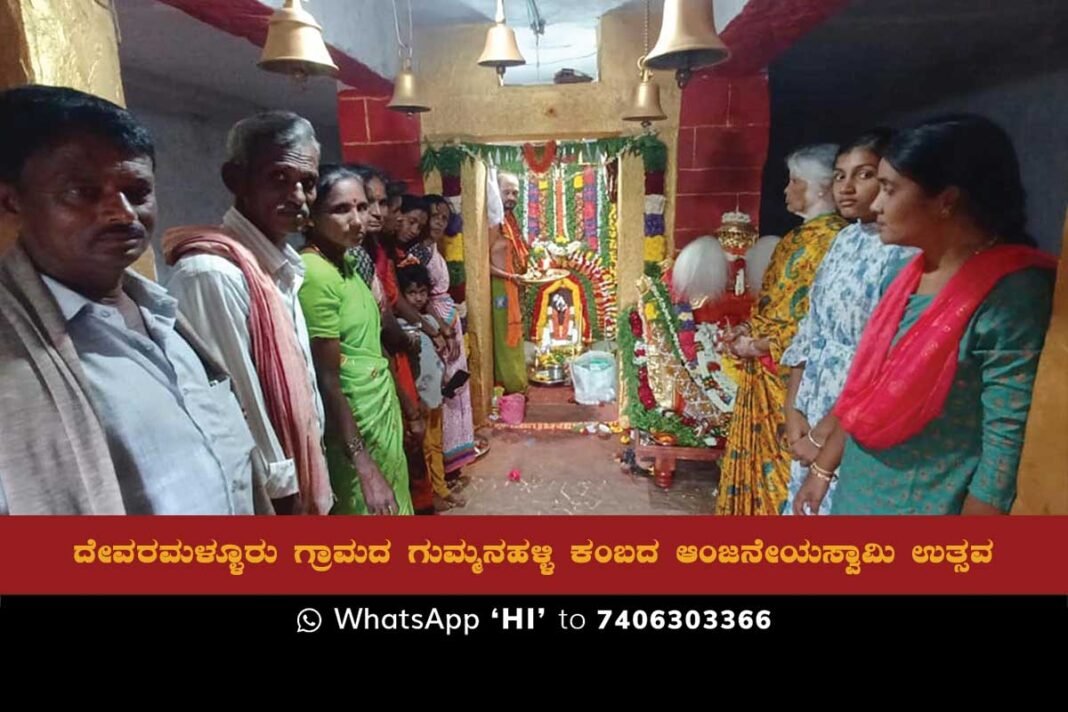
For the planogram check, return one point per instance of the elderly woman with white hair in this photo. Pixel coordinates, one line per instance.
(755, 469)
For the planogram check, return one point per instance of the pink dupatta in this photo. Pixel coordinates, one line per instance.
(895, 390)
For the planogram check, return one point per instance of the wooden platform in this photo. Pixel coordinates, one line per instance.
(666, 456)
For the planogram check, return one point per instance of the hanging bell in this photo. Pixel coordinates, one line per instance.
(688, 39)
(405, 93)
(646, 104)
(295, 44)
(502, 50)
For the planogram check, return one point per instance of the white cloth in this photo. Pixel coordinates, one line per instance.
(214, 298)
(494, 204)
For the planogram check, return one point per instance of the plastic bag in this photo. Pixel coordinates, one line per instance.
(594, 377)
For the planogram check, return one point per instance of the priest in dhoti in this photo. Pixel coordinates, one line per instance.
(508, 261)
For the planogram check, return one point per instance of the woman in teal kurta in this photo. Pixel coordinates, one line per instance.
(974, 446)
(364, 433)
(933, 413)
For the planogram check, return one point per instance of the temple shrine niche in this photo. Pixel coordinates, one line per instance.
(567, 215)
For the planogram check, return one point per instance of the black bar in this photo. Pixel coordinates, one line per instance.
(612, 620)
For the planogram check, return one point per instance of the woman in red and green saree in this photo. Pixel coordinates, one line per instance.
(755, 469)
(933, 413)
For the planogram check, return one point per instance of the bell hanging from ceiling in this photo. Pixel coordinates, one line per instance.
(688, 39)
(645, 106)
(295, 44)
(501, 51)
(406, 96)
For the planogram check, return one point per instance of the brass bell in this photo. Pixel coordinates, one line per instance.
(295, 44)
(646, 105)
(688, 39)
(501, 49)
(405, 93)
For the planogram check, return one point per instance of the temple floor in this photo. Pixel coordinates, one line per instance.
(570, 473)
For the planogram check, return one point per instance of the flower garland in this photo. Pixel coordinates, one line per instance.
(539, 165)
(611, 244)
(532, 212)
(590, 214)
(575, 205)
(654, 160)
(540, 305)
(534, 302)
(682, 329)
(561, 236)
(548, 206)
(573, 427)
(642, 410)
(452, 155)
(605, 217)
(655, 247)
(603, 280)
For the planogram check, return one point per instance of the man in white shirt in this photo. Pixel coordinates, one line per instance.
(109, 404)
(271, 168)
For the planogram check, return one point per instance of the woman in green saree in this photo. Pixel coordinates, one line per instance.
(364, 427)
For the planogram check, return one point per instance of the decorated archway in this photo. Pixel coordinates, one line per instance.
(569, 214)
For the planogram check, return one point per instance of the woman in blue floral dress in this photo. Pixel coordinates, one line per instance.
(844, 294)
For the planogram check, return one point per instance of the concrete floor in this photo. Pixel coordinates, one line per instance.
(569, 473)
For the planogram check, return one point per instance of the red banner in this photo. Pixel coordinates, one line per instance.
(533, 555)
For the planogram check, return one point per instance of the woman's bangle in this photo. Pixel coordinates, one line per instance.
(813, 440)
(355, 445)
(825, 475)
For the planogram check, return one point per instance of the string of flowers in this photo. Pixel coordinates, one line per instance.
(595, 320)
(590, 328)
(547, 203)
(573, 427)
(649, 147)
(654, 160)
(539, 165)
(677, 320)
(609, 246)
(575, 205)
(532, 212)
(589, 210)
(642, 410)
(562, 235)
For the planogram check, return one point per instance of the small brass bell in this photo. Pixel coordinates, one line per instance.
(646, 104)
(405, 92)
